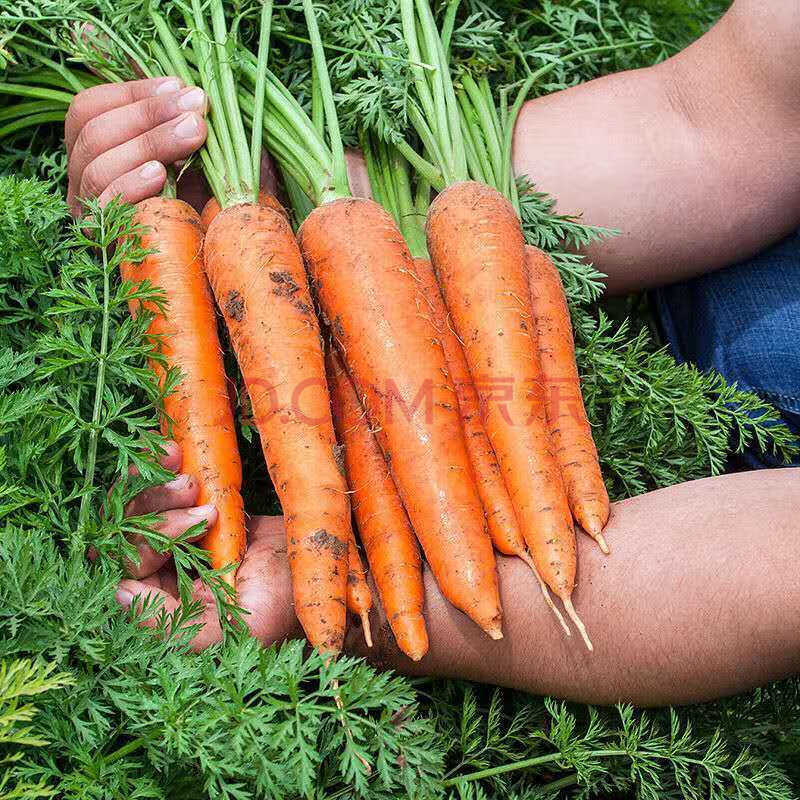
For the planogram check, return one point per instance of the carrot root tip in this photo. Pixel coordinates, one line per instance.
(600, 539)
(495, 632)
(367, 630)
(546, 593)
(573, 615)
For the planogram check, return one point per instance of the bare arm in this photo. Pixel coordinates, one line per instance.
(699, 598)
(696, 161)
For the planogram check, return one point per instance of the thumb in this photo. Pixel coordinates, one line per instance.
(131, 594)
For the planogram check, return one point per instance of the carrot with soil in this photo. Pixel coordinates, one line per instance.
(199, 414)
(477, 246)
(363, 276)
(386, 533)
(359, 596)
(256, 272)
(389, 180)
(566, 415)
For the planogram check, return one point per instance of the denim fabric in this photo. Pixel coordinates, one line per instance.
(743, 321)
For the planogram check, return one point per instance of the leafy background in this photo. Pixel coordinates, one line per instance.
(93, 706)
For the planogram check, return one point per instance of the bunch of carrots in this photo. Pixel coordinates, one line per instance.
(372, 349)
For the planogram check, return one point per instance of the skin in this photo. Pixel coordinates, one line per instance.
(733, 609)
(697, 162)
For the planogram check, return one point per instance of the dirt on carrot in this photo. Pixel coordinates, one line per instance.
(250, 252)
(364, 280)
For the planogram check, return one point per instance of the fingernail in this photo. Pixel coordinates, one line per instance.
(152, 169)
(201, 511)
(181, 482)
(193, 99)
(188, 127)
(169, 86)
(124, 597)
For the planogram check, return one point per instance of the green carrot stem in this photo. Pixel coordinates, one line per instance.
(426, 169)
(447, 26)
(31, 121)
(317, 110)
(169, 55)
(412, 42)
(67, 76)
(526, 764)
(282, 143)
(440, 122)
(409, 221)
(376, 184)
(29, 108)
(257, 132)
(281, 104)
(483, 109)
(211, 83)
(340, 185)
(38, 92)
(244, 184)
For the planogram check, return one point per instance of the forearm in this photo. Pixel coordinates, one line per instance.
(695, 161)
(698, 599)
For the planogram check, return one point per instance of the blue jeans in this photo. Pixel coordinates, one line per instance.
(744, 322)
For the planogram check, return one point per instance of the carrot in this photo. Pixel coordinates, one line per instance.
(569, 425)
(256, 271)
(365, 284)
(212, 207)
(200, 409)
(477, 247)
(359, 595)
(500, 516)
(392, 550)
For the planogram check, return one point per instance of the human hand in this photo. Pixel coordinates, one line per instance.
(263, 581)
(119, 137)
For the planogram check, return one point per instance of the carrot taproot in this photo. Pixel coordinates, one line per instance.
(212, 207)
(198, 413)
(566, 414)
(359, 595)
(501, 519)
(256, 271)
(364, 280)
(476, 245)
(386, 533)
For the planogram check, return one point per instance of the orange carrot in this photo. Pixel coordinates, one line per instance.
(386, 533)
(211, 208)
(200, 409)
(365, 282)
(569, 425)
(256, 271)
(359, 595)
(477, 247)
(500, 517)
